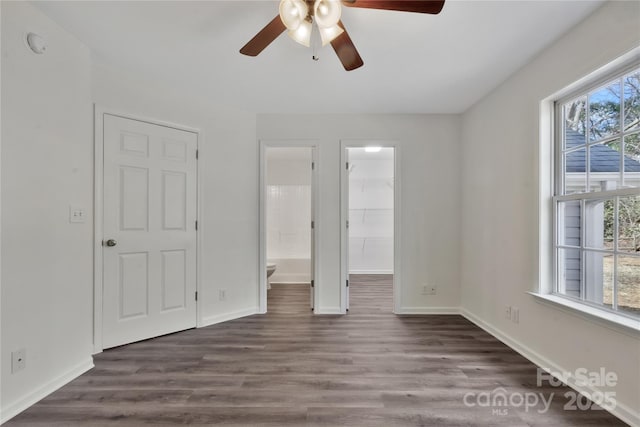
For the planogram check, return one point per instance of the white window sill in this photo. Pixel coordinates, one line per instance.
(605, 318)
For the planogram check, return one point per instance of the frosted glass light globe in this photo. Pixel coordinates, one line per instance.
(302, 34)
(293, 13)
(327, 12)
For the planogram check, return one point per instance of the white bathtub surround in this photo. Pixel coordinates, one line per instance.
(288, 221)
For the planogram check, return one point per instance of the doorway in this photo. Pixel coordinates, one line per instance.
(370, 227)
(288, 227)
(146, 239)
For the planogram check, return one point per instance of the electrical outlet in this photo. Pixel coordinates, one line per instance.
(515, 315)
(507, 312)
(18, 360)
(428, 290)
(223, 294)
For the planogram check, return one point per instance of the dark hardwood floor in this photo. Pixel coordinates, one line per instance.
(368, 368)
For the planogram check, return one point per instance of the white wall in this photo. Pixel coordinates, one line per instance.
(228, 165)
(500, 140)
(429, 169)
(47, 145)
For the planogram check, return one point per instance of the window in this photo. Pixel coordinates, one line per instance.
(597, 193)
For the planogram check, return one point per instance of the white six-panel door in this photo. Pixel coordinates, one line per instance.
(149, 243)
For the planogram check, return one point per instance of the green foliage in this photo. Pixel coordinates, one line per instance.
(628, 222)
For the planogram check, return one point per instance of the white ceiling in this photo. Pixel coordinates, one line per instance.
(414, 63)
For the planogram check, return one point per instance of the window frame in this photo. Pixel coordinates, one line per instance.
(558, 178)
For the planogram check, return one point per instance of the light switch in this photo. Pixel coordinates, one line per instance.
(77, 215)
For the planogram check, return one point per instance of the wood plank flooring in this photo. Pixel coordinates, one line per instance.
(290, 368)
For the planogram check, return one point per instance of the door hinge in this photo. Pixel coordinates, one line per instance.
(196, 295)
(312, 283)
(196, 224)
(313, 224)
(347, 283)
(347, 223)
(197, 153)
(347, 166)
(313, 165)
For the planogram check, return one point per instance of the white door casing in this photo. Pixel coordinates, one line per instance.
(346, 253)
(264, 145)
(344, 220)
(312, 291)
(149, 210)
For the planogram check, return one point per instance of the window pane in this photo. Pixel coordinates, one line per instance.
(604, 166)
(632, 160)
(575, 120)
(629, 284)
(574, 166)
(569, 277)
(569, 223)
(604, 112)
(632, 101)
(599, 224)
(629, 224)
(598, 278)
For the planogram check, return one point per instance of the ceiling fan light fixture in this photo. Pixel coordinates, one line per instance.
(293, 13)
(327, 35)
(327, 13)
(302, 34)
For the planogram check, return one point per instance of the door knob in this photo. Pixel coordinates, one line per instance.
(111, 242)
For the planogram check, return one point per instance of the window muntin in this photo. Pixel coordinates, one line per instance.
(597, 196)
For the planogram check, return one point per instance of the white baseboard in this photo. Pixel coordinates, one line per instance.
(219, 318)
(290, 278)
(281, 282)
(428, 310)
(327, 310)
(624, 412)
(46, 389)
(371, 272)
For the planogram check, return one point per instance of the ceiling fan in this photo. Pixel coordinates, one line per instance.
(299, 17)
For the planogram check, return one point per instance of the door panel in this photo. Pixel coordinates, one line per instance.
(134, 285)
(134, 198)
(174, 203)
(149, 275)
(174, 284)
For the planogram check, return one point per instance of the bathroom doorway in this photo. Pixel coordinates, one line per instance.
(288, 226)
(369, 229)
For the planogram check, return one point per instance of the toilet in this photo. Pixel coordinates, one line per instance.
(271, 268)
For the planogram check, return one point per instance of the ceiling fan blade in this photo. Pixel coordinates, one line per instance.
(419, 6)
(346, 50)
(264, 38)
